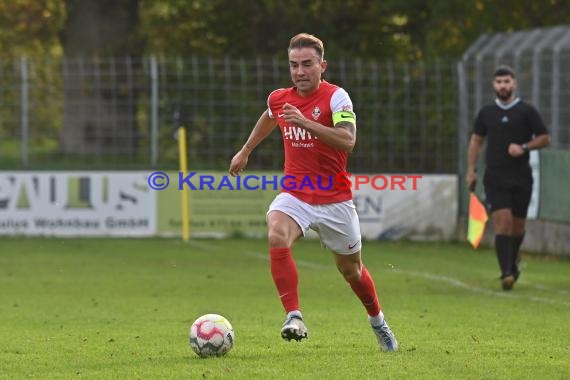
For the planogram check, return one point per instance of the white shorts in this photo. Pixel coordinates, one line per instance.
(336, 223)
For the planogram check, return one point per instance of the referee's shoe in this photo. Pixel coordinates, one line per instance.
(508, 281)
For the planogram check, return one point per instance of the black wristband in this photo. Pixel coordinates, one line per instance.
(525, 147)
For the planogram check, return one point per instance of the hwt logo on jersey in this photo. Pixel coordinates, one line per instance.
(297, 134)
(301, 137)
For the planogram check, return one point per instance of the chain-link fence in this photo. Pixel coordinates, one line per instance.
(120, 113)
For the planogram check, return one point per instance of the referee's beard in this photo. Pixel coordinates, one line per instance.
(504, 95)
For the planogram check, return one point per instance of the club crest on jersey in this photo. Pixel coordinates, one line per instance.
(316, 112)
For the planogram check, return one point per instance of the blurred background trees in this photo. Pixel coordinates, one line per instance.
(388, 29)
(89, 71)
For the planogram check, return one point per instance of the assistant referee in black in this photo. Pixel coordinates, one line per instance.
(512, 128)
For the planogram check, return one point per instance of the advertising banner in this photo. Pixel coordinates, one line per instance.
(389, 206)
(426, 211)
(148, 204)
(77, 204)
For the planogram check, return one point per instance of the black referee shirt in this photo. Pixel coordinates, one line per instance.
(502, 125)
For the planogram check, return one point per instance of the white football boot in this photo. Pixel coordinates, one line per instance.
(294, 328)
(386, 338)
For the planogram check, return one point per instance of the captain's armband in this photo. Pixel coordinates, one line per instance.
(344, 116)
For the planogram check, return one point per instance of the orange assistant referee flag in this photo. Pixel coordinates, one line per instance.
(477, 219)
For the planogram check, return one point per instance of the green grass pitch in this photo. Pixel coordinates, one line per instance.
(122, 308)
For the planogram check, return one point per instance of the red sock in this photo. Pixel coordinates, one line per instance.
(366, 292)
(285, 277)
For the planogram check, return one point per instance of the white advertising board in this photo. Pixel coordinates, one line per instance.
(77, 204)
(428, 212)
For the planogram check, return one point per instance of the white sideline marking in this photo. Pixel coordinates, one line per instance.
(430, 276)
(475, 289)
(547, 289)
(202, 246)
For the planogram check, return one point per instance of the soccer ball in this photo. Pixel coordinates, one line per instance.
(211, 335)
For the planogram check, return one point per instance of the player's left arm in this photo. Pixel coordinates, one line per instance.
(341, 137)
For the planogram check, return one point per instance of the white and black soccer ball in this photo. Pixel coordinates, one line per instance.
(211, 335)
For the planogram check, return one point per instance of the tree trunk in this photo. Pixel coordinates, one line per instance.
(100, 98)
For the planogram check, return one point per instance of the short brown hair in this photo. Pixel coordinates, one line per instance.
(302, 40)
(503, 71)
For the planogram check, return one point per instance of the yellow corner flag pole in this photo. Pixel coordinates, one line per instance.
(184, 193)
(477, 219)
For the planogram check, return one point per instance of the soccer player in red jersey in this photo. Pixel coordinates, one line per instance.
(318, 126)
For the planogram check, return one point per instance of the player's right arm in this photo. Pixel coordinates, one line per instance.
(263, 128)
(475, 145)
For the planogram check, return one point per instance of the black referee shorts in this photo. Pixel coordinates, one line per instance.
(512, 191)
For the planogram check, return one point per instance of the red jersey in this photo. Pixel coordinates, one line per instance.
(311, 165)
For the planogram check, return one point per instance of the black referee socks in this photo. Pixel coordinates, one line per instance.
(504, 246)
(517, 242)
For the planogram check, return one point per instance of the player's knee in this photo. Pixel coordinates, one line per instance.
(350, 273)
(277, 239)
